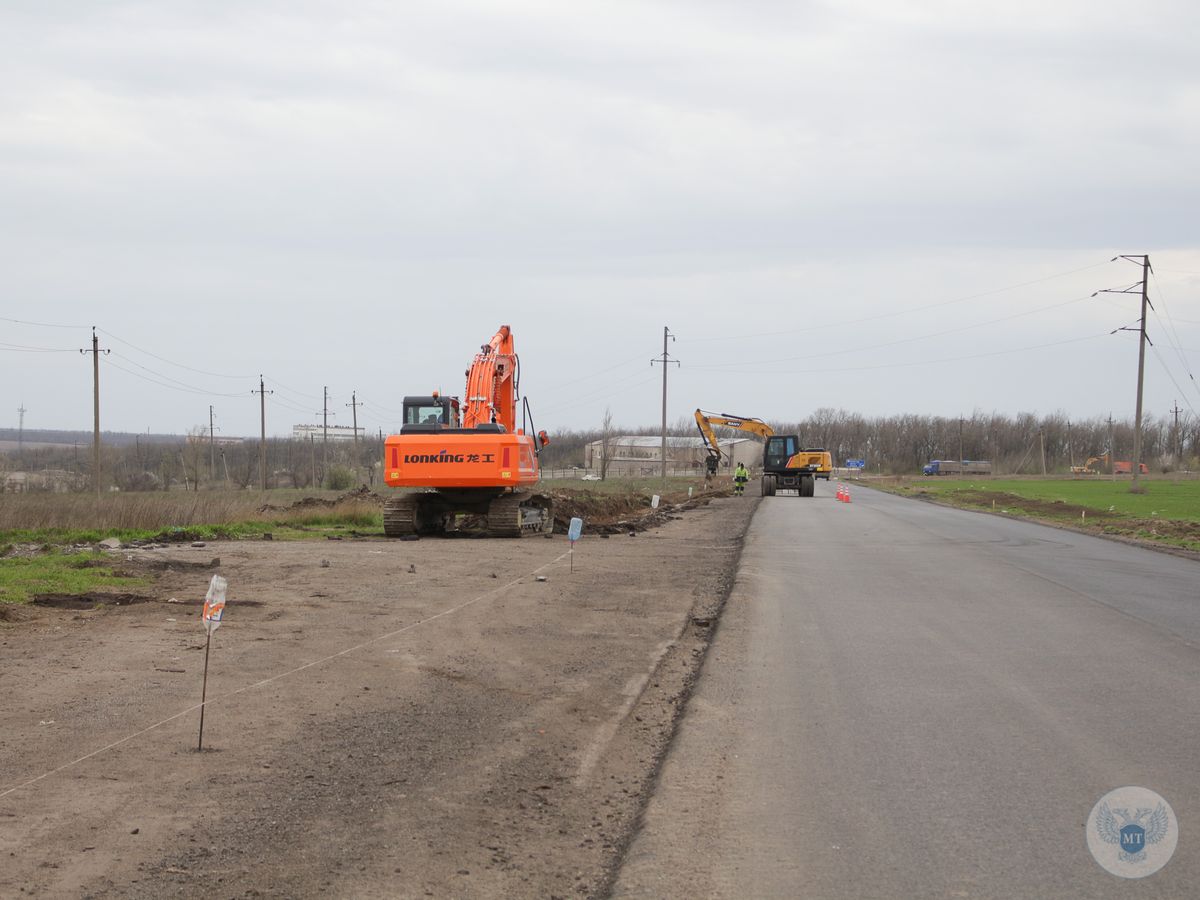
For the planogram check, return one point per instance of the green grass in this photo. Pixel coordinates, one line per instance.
(1162, 499)
(1167, 512)
(22, 578)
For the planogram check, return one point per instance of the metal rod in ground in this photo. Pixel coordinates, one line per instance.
(204, 692)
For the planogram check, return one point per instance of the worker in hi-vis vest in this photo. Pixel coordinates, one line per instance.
(740, 477)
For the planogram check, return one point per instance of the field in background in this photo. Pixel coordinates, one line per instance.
(82, 518)
(1168, 512)
(33, 525)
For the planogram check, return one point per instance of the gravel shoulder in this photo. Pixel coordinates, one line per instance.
(385, 719)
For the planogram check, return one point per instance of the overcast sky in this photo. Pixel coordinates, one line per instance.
(882, 206)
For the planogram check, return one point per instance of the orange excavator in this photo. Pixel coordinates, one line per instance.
(473, 467)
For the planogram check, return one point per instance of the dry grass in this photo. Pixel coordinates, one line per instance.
(153, 511)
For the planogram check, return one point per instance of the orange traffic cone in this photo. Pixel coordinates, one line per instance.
(841, 492)
(846, 499)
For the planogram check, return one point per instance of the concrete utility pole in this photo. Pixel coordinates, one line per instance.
(95, 351)
(1070, 445)
(325, 414)
(666, 360)
(21, 410)
(1112, 449)
(262, 444)
(1178, 442)
(1042, 442)
(212, 448)
(1136, 466)
(961, 460)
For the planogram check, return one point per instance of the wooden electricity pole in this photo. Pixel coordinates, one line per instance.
(666, 360)
(95, 351)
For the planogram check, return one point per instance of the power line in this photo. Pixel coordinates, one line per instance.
(22, 348)
(171, 361)
(280, 385)
(909, 340)
(907, 365)
(902, 312)
(177, 386)
(38, 324)
(182, 384)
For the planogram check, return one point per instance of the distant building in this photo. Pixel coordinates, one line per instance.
(57, 481)
(641, 455)
(317, 432)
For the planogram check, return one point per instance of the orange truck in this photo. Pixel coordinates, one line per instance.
(472, 469)
(1125, 467)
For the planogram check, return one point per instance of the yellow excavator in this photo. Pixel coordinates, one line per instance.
(1086, 468)
(785, 466)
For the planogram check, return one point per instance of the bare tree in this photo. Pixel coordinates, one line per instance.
(193, 455)
(606, 440)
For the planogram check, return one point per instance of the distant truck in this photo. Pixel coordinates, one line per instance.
(954, 467)
(1125, 467)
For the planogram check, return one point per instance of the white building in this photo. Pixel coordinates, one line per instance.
(641, 454)
(318, 432)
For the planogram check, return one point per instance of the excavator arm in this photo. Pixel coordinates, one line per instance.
(491, 384)
(705, 422)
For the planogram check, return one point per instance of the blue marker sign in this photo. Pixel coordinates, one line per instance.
(573, 533)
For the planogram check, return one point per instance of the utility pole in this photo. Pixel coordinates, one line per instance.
(1136, 466)
(1042, 442)
(21, 410)
(354, 405)
(1070, 445)
(666, 361)
(262, 444)
(95, 351)
(325, 414)
(212, 448)
(1178, 442)
(1112, 450)
(960, 448)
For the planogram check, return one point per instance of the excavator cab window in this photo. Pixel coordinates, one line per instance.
(779, 450)
(431, 412)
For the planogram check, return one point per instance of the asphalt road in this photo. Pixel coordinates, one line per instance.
(904, 700)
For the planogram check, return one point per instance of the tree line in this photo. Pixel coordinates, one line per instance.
(901, 444)
(898, 444)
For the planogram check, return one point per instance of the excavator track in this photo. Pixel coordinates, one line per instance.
(400, 516)
(519, 515)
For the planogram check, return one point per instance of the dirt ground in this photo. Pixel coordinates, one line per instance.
(385, 719)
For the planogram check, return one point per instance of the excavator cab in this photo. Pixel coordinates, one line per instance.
(780, 448)
(430, 413)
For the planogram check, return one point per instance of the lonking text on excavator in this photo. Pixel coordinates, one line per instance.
(474, 468)
(786, 467)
